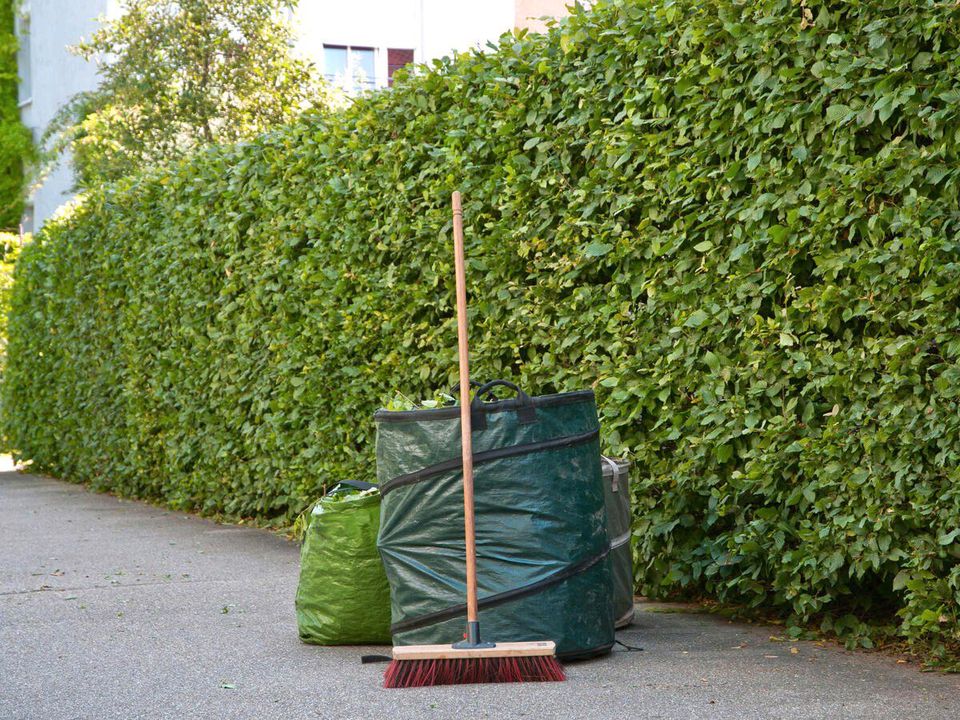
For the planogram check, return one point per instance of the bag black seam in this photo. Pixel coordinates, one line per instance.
(486, 456)
(500, 598)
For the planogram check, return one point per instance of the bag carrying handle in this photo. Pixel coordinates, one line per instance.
(526, 413)
(488, 387)
(614, 470)
(455, 390)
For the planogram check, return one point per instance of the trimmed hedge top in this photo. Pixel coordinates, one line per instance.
(738, 220)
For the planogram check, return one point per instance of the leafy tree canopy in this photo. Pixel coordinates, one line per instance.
(177, 75)
(16, 146)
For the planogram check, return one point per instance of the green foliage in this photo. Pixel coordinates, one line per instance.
(177, 75)
(9, 249)
(737, 220)
(401, 402)
(16, 147)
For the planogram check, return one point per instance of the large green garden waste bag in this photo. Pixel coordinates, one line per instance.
(543, 554)
(343, 597)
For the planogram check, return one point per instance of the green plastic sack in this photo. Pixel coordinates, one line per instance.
(343, 597)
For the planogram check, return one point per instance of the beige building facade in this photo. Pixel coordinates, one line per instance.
(530, 14)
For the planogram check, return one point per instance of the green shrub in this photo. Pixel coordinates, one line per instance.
(16, 146)
(9, 249)
(737, 220)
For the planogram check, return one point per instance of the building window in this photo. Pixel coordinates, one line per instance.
(397, 59)
(25, 90)
(351, 68)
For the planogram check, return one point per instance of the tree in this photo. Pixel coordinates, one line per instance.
(16, 146)
(177, 75)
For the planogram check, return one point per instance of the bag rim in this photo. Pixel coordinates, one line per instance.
(451, 412)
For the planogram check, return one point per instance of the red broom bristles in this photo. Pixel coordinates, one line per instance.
(466, 671)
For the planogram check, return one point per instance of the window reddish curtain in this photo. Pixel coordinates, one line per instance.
(396, 59)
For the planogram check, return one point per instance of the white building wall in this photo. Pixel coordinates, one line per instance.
(431, 28)
(56, 75)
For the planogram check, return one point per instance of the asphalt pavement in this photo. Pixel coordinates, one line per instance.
(118, 609)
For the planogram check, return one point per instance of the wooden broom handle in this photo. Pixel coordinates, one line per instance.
(466, 440)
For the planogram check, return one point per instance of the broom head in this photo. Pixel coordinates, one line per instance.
(427, 665)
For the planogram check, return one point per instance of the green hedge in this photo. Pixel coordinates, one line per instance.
(15, 143)
(736, 220)
(9, 249)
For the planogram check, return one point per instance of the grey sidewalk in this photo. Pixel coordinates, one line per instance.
(117, 609)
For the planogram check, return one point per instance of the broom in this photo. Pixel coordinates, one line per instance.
(471, 660)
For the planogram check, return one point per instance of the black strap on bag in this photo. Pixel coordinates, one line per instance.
(526, 412)
(485, 456)
(500, 598)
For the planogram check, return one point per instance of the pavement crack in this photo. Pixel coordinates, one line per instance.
(32, 591)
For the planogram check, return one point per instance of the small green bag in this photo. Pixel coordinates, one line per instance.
(343, 597)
